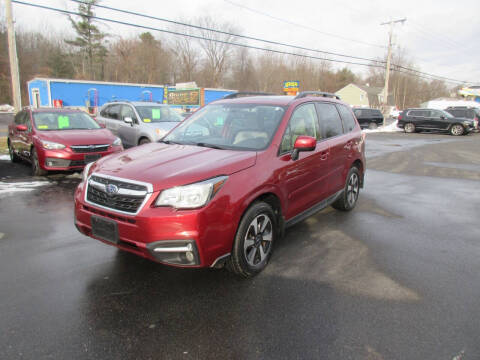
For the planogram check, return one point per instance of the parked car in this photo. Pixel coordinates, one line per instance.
(58, 139)
(368, 118)
(223, 185)
(471, 113)
(138, 123)
(412, 120)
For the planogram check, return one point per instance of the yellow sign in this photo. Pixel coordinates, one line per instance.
(184, 97)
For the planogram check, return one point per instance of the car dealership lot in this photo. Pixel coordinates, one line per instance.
(396, 278)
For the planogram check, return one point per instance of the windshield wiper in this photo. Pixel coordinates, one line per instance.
(170, 142)
(213, 146)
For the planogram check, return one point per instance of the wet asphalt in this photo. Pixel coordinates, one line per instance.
(397, 278)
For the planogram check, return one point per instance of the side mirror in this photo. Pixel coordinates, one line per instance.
(102, 125)
(442, 117)
(128, 120)
(22, 127)
(303, 143)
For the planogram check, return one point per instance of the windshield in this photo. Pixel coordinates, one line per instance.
(63, 121)
(229, 126)
(158, 114)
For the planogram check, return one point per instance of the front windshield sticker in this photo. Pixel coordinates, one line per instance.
(42, 127)
(63, 122)
(219, 121)
(155, 114)
(147, 120)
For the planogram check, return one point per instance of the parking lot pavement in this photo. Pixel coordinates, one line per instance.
(397, 278)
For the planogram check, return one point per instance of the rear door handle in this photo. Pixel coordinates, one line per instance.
(324, 155)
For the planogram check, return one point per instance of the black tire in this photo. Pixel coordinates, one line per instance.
(144, 141)
(457, 130)
(36, 169)
(409, 128)
(372, 126)
(349, 197)
(13, 157)
(251, 242)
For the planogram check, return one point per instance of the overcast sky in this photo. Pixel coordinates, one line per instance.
(442, 37)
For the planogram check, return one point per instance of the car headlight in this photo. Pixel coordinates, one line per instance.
(52, 145)
(191, 196)
(86, 171)
(117, 142)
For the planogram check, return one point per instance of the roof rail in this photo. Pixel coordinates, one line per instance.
(316, 93)
(245, 94)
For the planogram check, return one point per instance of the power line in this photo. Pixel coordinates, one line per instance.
(263, 40)
(228, 33)
(194, 36)
(373, 65)
(300, 25)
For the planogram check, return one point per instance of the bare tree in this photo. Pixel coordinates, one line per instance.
(216, 53)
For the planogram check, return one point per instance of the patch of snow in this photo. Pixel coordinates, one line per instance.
(13, 187)
(5, 157)
(6, 108)
(388, 128)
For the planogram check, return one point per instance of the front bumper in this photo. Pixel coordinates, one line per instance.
(67, 160)
(209, 231)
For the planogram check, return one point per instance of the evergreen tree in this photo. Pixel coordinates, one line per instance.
(89, 41)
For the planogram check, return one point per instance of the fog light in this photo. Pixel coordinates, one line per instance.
(176, 252)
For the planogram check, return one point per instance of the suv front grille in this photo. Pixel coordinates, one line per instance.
(89, 148)
(127, 198)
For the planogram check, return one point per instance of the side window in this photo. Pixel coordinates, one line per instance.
(347, 118)
(304, 121)
(435, 114)
(19, 118)
(113, 112)
(377, 113)
(104, 112)
(330, 121)
(127, 111)
(358, 113)
(27, 121)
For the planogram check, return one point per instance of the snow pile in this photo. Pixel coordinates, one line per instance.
(388, 128)
(5, 157)
(10, 188)
(6, 108)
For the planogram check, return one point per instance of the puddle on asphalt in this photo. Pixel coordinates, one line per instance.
(459, 166)
(333, 257)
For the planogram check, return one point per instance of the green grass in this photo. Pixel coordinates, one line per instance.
(3, 145)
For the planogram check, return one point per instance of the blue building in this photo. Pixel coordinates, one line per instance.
(46, 92)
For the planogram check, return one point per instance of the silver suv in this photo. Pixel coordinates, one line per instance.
(138, 123)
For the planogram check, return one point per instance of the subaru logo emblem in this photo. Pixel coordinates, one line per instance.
(111, 189)
(91, 147)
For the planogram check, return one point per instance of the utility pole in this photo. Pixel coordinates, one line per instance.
(12, 52)
(387, 69)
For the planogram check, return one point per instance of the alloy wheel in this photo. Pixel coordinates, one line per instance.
(258, 240)
(352, 189)
(457, 130)
(409, 128)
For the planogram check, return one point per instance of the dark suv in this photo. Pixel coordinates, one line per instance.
(413, 120)
(368, 118)
(222, 186)
(471, 113)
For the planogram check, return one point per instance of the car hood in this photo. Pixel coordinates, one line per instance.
(78, 137)
(165, 166)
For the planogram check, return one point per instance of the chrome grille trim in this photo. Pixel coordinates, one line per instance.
(124, 192)
(89, 148)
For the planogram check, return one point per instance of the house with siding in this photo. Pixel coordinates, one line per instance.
(363, 96)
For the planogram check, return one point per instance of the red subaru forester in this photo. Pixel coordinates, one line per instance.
(58, 139)
(221, 187)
